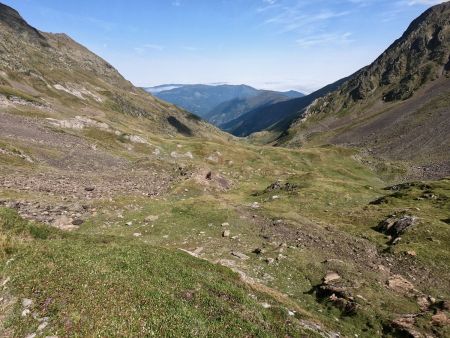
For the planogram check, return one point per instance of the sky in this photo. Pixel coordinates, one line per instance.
(268, 44)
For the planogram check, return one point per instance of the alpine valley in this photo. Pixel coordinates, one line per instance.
(320, 215)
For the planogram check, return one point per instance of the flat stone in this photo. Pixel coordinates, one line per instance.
(42, 326)
(151, 218)
(331, 277)
(239, 255)
(64, 223)
(198, 250)
(399, 284)
(26, 302)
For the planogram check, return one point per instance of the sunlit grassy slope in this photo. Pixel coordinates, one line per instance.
(125, 272)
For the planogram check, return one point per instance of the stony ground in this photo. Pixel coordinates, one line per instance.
(300, 227)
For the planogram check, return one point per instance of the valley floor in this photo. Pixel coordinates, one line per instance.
(100, 236)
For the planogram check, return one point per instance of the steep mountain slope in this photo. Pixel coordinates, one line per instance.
(212, 102)
(276, 117)
(399, 106)
(62, 79)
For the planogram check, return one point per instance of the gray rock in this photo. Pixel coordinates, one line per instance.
(151, 218)
(395, 226)
(77, 221)
(42, 326)
(331, 277)
(239, 255)
(26, 303)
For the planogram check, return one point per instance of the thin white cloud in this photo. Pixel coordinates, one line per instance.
(291, 19)
(153, 46)
(325, 39)
(148, 46)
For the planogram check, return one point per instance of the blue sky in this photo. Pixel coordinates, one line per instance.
(272, 44)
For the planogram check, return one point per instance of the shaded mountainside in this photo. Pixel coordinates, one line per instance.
(398, 106)
(230, 110)
(276, 117)
(63, 79)
(200, 99)
(218, 103)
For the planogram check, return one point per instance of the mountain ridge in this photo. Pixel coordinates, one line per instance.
(276, 117)
(372, 109)
(211, 102)
(68, 78)
(15, 21)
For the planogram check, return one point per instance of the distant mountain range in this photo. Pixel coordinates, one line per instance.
(219, 104)
(275, 117)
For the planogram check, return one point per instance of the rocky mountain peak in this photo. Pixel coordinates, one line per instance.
(397, 107)
(10, 18)
(8, 13)
(421, 55)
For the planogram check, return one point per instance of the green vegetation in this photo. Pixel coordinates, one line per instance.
(123, 271)
(206, 235)
(105, 285)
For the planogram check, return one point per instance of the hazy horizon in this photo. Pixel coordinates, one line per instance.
(268, 44)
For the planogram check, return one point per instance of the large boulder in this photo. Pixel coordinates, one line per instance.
(396, 226)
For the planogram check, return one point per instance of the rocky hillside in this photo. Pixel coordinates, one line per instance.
(113, 223)
(398, 106)
(62, 79)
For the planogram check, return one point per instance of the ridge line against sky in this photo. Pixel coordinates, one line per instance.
(268, 44)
